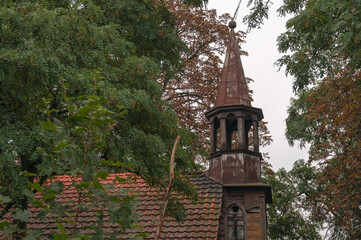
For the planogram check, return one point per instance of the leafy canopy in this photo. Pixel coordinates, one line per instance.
(322, 35)
(290, 216)
(324, 40)
(79, 96)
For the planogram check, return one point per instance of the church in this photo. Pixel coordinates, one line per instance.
(232, 198)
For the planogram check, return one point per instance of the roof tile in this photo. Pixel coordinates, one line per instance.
(201, 222)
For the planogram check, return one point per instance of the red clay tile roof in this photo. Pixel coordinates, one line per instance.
(201, 222)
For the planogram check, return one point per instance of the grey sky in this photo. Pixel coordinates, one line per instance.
(272, 90)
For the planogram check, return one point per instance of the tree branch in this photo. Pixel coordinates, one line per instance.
(168, 190)
(197, 51)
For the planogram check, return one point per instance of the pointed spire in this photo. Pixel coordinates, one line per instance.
(233, 88)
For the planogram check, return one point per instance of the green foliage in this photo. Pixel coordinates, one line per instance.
(297, 126)
(79, 96)
(328, 118)
(323, 38)
(258, 12)
(290, 214)
(322, 35)
(195, 2)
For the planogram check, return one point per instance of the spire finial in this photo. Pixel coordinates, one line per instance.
(232, 24)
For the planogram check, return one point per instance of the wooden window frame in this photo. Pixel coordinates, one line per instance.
(229, 208)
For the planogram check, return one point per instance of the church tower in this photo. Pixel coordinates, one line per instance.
(235, 158)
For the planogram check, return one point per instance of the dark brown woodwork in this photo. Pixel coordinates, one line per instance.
(237, 165)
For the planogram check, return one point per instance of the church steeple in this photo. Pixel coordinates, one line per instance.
(233, 88)
(233, 117)
(234, 122)
(235, 158)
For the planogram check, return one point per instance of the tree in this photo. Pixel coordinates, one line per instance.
(324, 37)
(79, 96)
(290, 216)
(193, 90)
(327, 117)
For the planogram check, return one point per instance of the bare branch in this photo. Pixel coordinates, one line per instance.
(168, 190)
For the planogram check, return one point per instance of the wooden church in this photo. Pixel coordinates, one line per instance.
(232, 198)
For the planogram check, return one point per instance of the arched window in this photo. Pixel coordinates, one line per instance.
(235, 223)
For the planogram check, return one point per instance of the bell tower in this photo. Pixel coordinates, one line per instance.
(235, 158)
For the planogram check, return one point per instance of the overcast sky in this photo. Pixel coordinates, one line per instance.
(272, 90)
